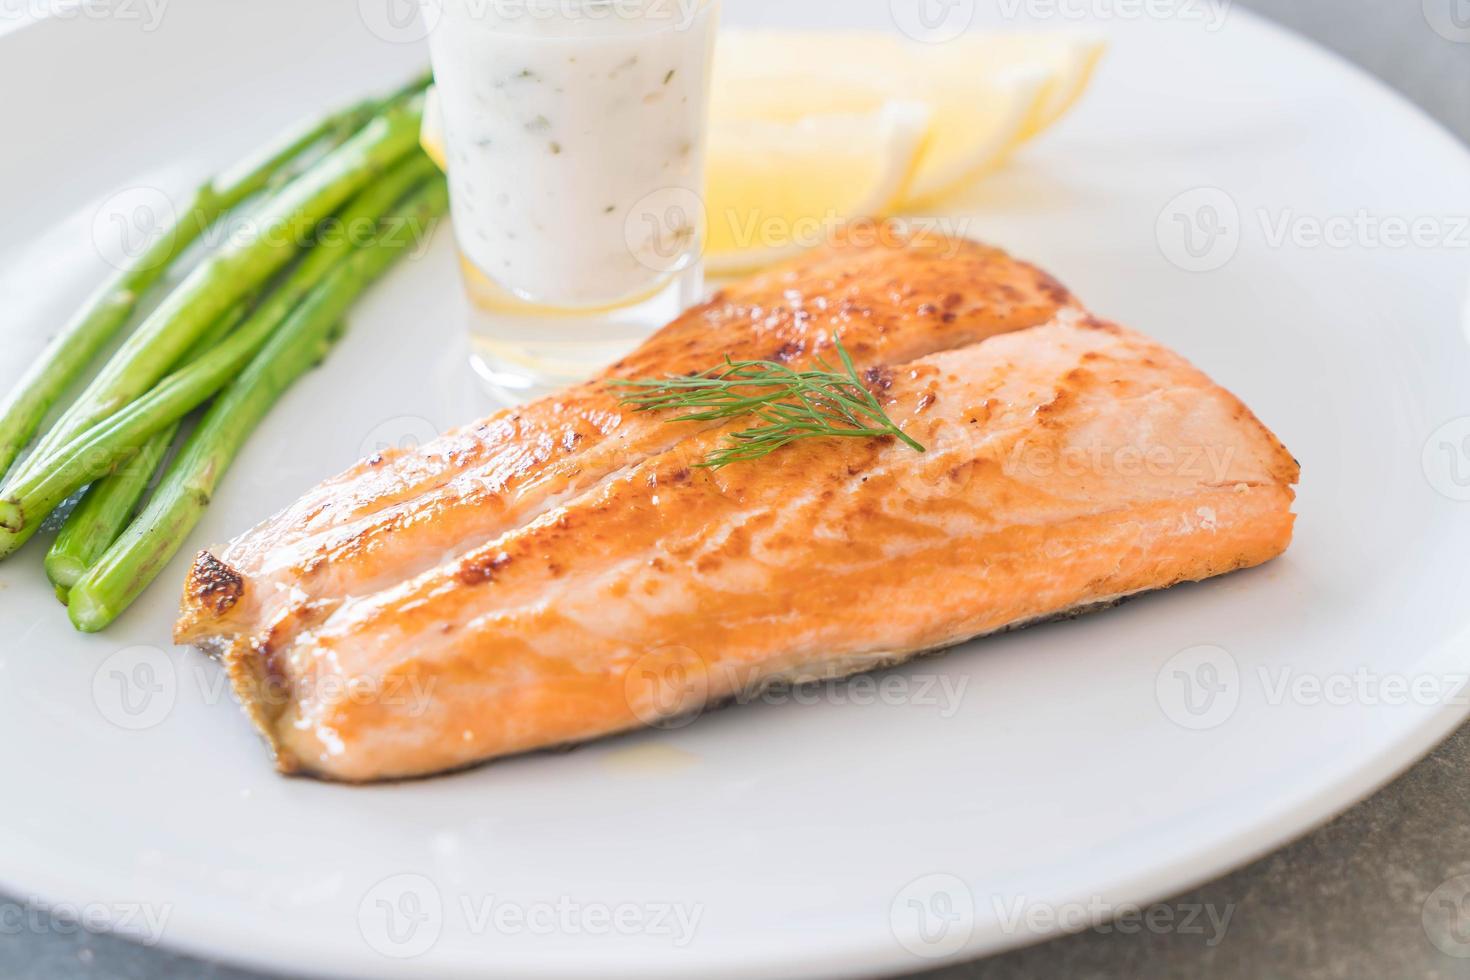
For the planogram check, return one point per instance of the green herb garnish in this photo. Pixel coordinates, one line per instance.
(815, 404)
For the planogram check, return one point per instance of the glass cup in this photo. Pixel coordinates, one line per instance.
(575, 135)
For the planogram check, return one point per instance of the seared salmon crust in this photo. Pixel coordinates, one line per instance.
(566, 570)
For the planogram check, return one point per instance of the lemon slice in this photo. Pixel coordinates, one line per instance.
(1069, 61)
(987, 93)
(784, 76)
(777, 188)
(979, 117)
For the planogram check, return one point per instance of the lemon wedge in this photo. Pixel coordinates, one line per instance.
(783, 76)
(1067, 61)
(980, 115)
(987, 93)
(777, 188)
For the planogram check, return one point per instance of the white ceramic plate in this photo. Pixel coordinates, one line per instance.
(977, 801)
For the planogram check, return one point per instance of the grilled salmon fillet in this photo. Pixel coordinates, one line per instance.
(567, 570)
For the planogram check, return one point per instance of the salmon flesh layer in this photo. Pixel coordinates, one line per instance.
(566, 570)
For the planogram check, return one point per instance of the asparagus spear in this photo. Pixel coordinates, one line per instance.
(353, 120)
(48, 480)
(137, 557)
(237, 269)
(102, 514)
(99, 320)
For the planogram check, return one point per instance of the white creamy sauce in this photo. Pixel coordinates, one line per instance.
(562, 121)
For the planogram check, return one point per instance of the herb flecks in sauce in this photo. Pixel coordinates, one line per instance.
(557, 129)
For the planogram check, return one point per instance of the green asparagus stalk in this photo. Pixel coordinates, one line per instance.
(354, 119)
(411, 88)
(237, 269)
(103, 513)
(143, 550)
(109, 309)
(105, 510)
(115, 439)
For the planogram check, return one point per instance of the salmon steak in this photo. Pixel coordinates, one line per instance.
(568, 569)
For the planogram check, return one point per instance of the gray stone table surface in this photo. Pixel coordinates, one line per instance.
(1345, 902)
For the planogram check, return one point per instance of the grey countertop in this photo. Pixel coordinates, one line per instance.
(1374, 894)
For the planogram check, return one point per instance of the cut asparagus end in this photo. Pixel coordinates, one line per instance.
(64, 570)
(86, 613)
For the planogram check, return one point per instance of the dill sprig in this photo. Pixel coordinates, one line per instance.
(821, 403)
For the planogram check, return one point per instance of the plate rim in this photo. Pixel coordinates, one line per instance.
(217, 938)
